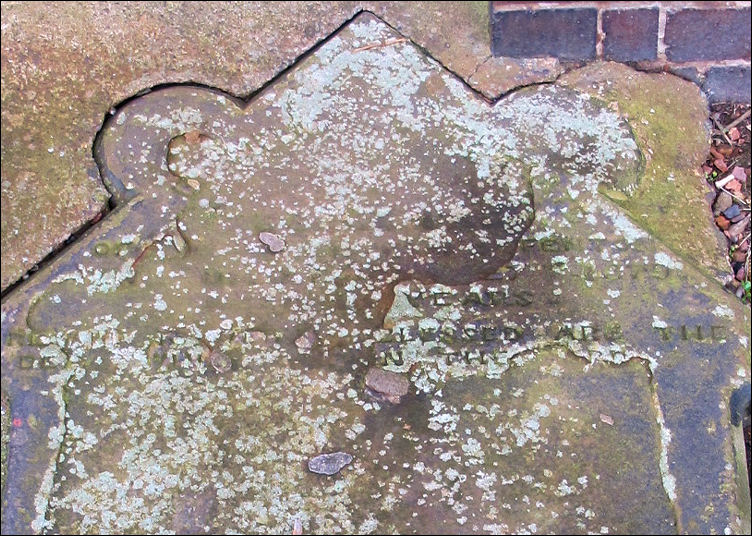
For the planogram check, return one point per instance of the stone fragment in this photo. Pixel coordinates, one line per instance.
(722, 222)
(386, 386)
(178, 241)
(274, 242)
(734, 186)
(193, 183)
(722, 202)
(732, 212)
(737, 228)
(329, 464)
(305, 342)
(738, 172)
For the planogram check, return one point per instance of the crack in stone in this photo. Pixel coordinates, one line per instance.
(667, 479)
(478, 66)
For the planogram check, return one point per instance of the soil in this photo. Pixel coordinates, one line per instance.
(730, 155)
(730, 149)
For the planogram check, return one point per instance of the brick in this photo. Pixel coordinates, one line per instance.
(708, 34)
(728, 84)
(562, 33)
(631, 34)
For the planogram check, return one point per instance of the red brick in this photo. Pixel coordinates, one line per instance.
(563, 33)
(631, 34)
(728, 84)
(707, 34)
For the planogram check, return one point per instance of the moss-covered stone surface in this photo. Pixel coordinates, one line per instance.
(175, 370)
(669, 119)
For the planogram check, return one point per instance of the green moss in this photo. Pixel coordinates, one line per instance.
(668, 117)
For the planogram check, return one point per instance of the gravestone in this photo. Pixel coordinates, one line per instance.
(371, 263)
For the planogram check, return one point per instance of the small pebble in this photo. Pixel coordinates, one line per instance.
(739, 174)
(722, 222)
(732, 212)
(329, 464)
(385, 385)
(739, 256)
(738, 228)
(734, 186)
(274, 242)
(257, 336)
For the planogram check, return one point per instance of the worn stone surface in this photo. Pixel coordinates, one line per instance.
(457, 34)
(669, 119)
(529, 304)
(65, 65)
(498, 76)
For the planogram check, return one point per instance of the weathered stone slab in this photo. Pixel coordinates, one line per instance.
(567, 370)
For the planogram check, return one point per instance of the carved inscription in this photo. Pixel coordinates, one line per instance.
(693, 333)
